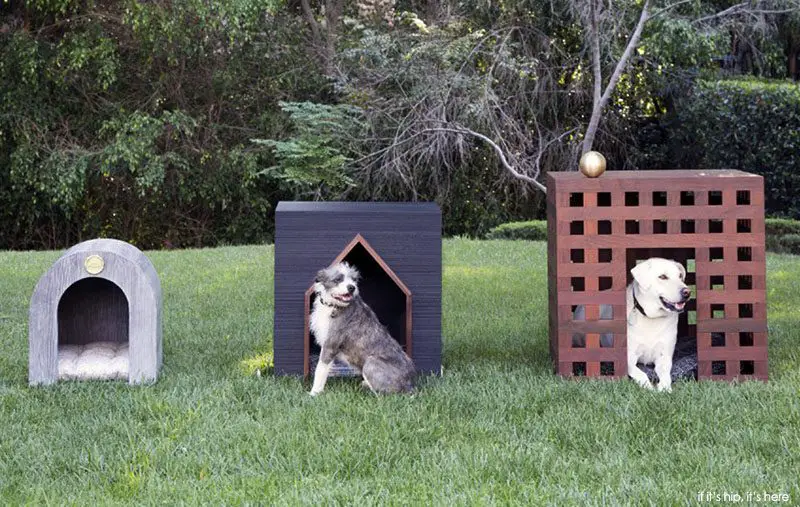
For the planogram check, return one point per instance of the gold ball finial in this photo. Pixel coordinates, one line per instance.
(592, 164)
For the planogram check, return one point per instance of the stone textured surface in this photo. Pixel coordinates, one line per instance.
(120, 304)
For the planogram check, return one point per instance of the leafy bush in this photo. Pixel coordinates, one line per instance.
(743, 124)
(534, 230)
(314, 159)
(782, 234)
(790, 243)
(781, 226)
(133, 120)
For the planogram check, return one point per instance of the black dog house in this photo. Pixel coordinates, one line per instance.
(96, 314)
(396, 247)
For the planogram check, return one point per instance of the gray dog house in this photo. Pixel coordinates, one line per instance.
(397, 247)
(98, 305)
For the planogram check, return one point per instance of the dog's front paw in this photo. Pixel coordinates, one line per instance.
(667, 388)
(315, 393)
(646, 384)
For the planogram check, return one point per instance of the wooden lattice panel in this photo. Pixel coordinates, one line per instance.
(712, 221)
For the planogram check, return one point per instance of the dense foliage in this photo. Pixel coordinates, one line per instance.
(781, 226)
(134, 120)
(177, 123)
(741, 124)
(790, 244)
(783, 235)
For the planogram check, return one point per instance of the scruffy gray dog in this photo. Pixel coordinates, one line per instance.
(346, 328)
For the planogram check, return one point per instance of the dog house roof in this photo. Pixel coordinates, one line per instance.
(359, 240)
(120, 248)
(109, 250)
(672, 174)
(357, 207)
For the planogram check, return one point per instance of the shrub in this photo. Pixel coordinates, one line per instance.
(133, 120)
(315, 157)
(790, 243)
(776, 229)
(742, 124)
(534, 230)
(781, 226)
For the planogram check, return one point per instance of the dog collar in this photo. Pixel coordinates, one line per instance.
(322, 300)
(336, 308)
(636, 303)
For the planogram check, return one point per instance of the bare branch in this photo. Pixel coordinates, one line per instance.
(324, 44)
(312, 22)
(500, 153)
(594, 35)
(597, 109)
(743, 8)
(669, 8)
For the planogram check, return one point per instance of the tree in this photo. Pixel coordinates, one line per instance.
(505, 87)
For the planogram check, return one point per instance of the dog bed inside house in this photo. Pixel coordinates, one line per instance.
(684, 362)
(93, 361)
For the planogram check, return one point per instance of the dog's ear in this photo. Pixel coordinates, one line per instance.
(320, 276)
(643, 274)
(681, 269)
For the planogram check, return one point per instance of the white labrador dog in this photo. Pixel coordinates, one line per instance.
(654, 299)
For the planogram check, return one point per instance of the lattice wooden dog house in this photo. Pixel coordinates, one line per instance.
(712, 221)
(96, 313)
(397, 249)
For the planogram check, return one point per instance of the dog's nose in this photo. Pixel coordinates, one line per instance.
(351, 288)
(685, 293)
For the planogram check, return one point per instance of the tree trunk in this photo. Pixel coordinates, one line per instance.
(323, 38)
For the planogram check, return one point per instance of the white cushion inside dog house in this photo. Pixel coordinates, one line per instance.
(93, 361)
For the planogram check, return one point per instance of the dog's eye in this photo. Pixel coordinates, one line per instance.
(663, 277)
(338, 279)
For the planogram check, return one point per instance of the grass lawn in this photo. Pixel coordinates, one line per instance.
(497, 427)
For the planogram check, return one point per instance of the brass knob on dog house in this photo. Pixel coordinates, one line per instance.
(94, 264)
(592, 164)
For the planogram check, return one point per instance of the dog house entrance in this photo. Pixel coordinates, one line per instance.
(684, 361)
(380, 288)
(93, 331)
